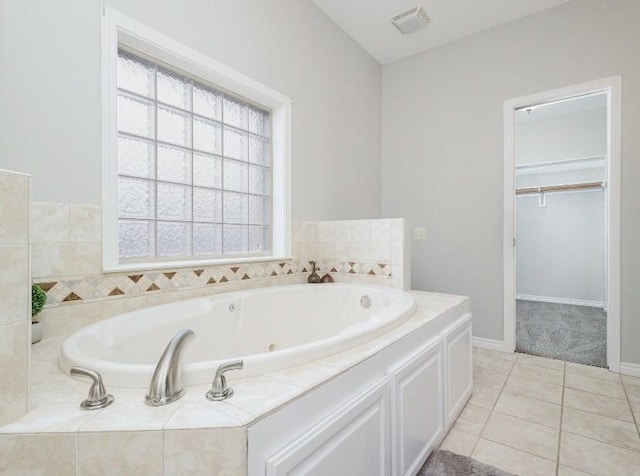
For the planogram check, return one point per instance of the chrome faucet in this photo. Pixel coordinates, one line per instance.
(98, 396)
(219, 388)
(166, 384)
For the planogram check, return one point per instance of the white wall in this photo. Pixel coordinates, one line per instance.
(50, 92)
(569, 136)
(560, 247)
(443, 144)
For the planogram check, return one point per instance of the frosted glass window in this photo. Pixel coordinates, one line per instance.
(137, 238)
(236, 176)
(207, 171)
(174, 164)
(174, 239)
(194, 167)
(136, 157)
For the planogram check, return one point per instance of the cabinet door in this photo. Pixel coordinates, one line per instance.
(459, 368)
(417, 408)
(351, 441)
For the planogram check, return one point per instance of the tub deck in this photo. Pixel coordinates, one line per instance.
(55, 397)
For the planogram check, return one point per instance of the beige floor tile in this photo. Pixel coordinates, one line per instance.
(529, 388)
(523, 435)
(597, 458)
(567, 471)
(459, 442)
(535, 372)
(591, 371)
(630, 379)
(633, 389)
(488, 378)
(472, 419)
(485, 397)
(594, 385)
(536, 411)
(541, 361)
(511, 356)
(601, 428)
(512, 460)
(600, 404)
(492, 362)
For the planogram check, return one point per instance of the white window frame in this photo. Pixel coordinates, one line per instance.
(117, 30)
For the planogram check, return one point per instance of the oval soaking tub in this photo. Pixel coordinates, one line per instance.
(269, 328)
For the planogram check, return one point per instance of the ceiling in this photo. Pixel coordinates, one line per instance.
(561, 108)
(367, 21)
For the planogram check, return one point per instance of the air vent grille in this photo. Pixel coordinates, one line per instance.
(411, 20)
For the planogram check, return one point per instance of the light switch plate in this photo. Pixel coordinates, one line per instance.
(420, 233)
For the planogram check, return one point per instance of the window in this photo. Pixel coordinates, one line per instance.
(196, 157)
(194, 167)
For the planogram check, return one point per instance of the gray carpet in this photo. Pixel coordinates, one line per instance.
(446, 463)
(562, 331)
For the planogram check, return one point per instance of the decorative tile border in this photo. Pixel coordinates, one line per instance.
(99, 287)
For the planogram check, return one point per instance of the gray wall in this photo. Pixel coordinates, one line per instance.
(50, 92)
(443, 144)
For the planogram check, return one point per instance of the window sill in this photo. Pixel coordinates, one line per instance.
(126, 267)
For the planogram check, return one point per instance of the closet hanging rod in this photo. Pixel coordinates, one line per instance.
(561, 188)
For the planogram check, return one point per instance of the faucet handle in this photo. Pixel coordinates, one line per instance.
(219, 389)
(98, 396)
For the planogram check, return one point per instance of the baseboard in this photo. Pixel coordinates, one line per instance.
(490, 344)
(627, 368)
(555, 300)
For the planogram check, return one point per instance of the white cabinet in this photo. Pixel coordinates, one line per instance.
(353, 440)
(417, 408)
(381, 417)
(459, 368)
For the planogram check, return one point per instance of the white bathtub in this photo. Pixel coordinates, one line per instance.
(304, 322)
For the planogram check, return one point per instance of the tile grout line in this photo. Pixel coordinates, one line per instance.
(601, 414)
(519, 449)
(564, 378)
(607, 443)
(513, 364)
(525, 420)
(633, 415)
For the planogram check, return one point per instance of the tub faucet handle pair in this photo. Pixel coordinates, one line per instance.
(98, 396)
(219, 388)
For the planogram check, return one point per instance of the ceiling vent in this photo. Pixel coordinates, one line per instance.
(411, 20)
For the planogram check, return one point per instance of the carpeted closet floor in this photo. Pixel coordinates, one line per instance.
(562, 331)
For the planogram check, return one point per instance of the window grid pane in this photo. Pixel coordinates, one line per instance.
(194, 167)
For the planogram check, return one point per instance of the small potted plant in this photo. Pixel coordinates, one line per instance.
(38, 300)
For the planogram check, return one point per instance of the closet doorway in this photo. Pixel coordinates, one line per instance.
(562, 210)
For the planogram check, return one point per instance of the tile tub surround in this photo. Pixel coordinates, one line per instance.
(66, 263)
(197, 434)
(375, 249)
(67, 245)
(537, 416)
(15, 295)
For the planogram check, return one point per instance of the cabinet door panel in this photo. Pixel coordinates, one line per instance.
(353, 440)
(417, 408)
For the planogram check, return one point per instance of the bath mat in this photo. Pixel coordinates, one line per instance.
(446, 463)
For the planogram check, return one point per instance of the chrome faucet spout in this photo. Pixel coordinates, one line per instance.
(166, 384)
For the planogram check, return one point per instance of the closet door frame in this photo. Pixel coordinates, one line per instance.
(612, 86)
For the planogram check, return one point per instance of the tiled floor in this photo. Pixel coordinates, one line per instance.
(535, 416)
